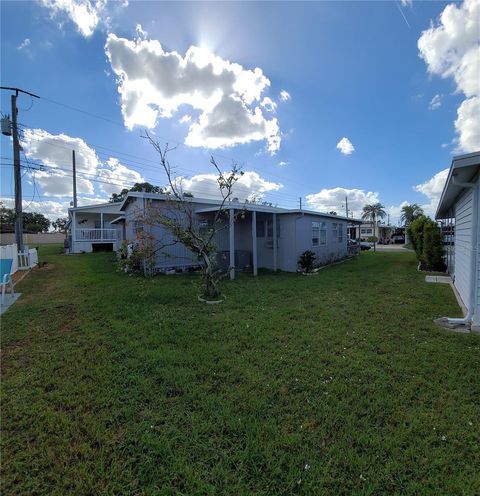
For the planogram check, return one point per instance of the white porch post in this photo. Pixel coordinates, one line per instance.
(101, 225)
(232, 244)
(74, 227)
(274, 242)
(254, 242)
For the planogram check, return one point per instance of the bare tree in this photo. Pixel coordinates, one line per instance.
(176, 215)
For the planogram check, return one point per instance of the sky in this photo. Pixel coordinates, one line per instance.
(315, 101)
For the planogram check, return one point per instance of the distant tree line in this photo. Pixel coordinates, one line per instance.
(33, 222)
(142, 187)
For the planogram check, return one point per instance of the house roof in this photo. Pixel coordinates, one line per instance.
(250, 207)
(463, 169)
(237, 205)
(117, 219)
(110, 207)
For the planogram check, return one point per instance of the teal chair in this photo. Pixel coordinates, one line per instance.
(5, 277)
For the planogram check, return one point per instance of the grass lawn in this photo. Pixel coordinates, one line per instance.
(333, 384)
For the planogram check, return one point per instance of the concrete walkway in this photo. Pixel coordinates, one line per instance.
(392, 249)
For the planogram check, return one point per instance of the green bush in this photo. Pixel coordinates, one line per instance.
(306, 260)
(426, 240)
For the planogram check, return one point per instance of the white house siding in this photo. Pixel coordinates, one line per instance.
(476, 316)
(463, 244)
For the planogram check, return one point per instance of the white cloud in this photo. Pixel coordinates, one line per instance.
(115, 174)
(285, 96)
(268, 104)
(87, 15)
(282, 163)
(327, 200)
(185, 119)
(467, 124)
(435, 102)
(55, 151)
(433, 187)
(451, 49)
(345, 146)
(249, 185)
(406, 3)
(24, 45)
(153, 84)
(51, 209)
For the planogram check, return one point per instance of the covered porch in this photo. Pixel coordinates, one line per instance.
(246, 237)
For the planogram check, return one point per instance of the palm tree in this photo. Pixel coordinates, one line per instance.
(410, 213)
(372, 213)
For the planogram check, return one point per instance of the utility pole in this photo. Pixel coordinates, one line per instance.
(74, 168)
(300, 202)
(17, 178)
(16, 166)
(346, 204)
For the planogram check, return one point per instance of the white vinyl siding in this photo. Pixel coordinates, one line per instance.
(463, 244)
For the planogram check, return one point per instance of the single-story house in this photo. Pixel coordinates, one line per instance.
(459, 208)
(366, 230)
(95, 228)
(254, 235)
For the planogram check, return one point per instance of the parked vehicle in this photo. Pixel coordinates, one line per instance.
(365, 246)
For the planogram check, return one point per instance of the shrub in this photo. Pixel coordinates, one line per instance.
(372, 239)
(306, 260)
(426, 240)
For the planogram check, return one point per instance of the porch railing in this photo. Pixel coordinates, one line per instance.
(95, 234)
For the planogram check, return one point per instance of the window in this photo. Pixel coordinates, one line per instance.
(205, 227)
(366, 231)
(334, 230)
(270, 228)
(340, 233)
(138, 226)
(319, 233)
(260, 228)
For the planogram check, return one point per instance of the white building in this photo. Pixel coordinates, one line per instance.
(96, 228)
(460, 206)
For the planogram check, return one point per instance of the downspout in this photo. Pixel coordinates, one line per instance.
(473, 262)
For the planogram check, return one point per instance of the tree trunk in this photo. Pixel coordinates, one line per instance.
(374, 236)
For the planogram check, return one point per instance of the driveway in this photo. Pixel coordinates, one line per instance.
(393, 248)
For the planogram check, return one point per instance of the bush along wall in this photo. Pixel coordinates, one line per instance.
(426, 239)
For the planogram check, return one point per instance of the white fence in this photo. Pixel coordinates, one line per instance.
(21, 260)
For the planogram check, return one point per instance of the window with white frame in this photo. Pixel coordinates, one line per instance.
(334, 230)
(319, 233)
(366, 230)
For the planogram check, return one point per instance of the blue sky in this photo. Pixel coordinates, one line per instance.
(351, 69)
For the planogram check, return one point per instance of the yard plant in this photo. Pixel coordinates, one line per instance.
(335, 384)
(426, 240)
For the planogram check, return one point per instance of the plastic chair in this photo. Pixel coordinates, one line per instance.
(5, 277)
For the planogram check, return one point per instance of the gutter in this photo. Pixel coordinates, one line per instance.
(473, 262)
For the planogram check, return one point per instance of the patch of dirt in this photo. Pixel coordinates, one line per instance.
(44, 266)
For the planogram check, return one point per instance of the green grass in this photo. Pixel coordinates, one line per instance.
(333, 384)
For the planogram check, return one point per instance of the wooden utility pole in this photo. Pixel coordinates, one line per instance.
(74, 170)
(17, 178)
(16, 166)
(300, 202)
(346, 204)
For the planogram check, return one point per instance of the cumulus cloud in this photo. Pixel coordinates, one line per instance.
(55, 151)
(153, 83)
(435, 102)
(114, 173)
(87, 15)
(432, 188)
(282, 163)
(327, 200)
(250, 185)
(185, 119)
(268, 104)
(345, 146)
(24, 45)
(51, 209)
(451, 49)
(284, 95)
